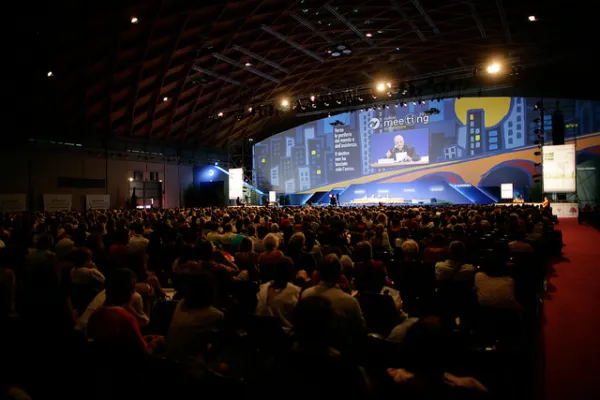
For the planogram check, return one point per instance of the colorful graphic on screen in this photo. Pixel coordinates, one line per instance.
(483, 142)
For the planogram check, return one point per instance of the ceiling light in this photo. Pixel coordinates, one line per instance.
(329, 51)
(369, 35)
(532, 18)
(249, 109)
(379, 31)
(493, 68)
(356, 10)
(220, 114)
(381, 87)
(50, 74)
(347, 51)
(312, 98)
(389, 84)
(341, 47)
(248, 65)
(285, 103)
(336, 54)
(165, 99)
(398, 48)
(130, 179)
(134, 20)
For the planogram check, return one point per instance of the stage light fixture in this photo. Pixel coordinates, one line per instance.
(312, 98)
(336, 54)
(220, 114)
(532, 18)
(216, 164)
(369, 35)
(493, 68)
(285, 103)
(347, 51)
(130, 179)
(249, 109)
(50, 74)
(165, 99)
(248, 64)
(381, 87)
(134, 20)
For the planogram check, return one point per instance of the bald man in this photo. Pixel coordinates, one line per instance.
(400, 147)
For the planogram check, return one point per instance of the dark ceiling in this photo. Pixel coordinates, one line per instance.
(166, 78)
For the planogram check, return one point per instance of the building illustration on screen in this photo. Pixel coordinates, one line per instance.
(485, 139)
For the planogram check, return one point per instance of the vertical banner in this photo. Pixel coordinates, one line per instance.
(558, 168)
(272, 196)
(506, 191)
(13, 202)
(57, 202)
(97, 201)
(236, 183)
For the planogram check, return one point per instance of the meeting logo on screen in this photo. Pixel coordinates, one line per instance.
(408, 120)
(374, 123)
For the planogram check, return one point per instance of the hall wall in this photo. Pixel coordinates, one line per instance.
(35, 171)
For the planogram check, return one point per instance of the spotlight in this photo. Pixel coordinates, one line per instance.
(381, 87)
(130, 179)
(532, 18)
(134, 20)
(165, 99)
(50, 74)
(216, 164)
(493, 68)
(285, 103)
(249, 109)
(389, 84)
(220, 115)
(248, 65)
(369, 35)
(312, 98)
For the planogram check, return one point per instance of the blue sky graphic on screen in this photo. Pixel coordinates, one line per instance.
(479, 141)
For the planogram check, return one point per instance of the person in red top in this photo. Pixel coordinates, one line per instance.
(371, 276)
(112, 326)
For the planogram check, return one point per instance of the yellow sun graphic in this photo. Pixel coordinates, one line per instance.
(495, 108)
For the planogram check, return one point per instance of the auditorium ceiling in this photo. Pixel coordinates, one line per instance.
(214, 73)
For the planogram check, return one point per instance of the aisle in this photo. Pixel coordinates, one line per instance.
(571, 331)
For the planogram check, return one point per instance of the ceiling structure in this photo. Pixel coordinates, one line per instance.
(211, 73)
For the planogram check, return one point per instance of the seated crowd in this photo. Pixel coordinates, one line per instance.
(364, 302)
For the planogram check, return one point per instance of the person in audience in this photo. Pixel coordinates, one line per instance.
(269, 257)
(520, 245)
(194, 318)
(370, 275)
(303, 260)
(344, 305)
(138, 243)
(455, 268)
(495, 288)
(278, 297)
(227, 235)
(111, 325)
(436, 251)
(425, 376)
(247, 260)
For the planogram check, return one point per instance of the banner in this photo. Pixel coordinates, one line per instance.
(559, 168)
(97, 202)
(272, 196)
(13, 202)
(236, 183)
(57, 202)
(506, 191)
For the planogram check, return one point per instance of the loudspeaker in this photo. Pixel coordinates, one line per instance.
(558, 127)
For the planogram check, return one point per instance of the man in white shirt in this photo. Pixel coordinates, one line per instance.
(455, 269)
(138, 242)
(343, 304)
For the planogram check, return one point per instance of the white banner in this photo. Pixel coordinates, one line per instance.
(236, 183)
(558, 166)
(272, 196)
(57, 202)
(97, 201)
(506, 191)
(13, 202)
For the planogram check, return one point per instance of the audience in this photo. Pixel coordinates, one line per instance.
(114, 274)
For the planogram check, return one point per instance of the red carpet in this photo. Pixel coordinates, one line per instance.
(571, 331)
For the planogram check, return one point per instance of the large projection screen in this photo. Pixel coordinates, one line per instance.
(236, 183)
(559, 171)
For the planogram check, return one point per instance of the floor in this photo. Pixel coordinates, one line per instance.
(571, 326)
